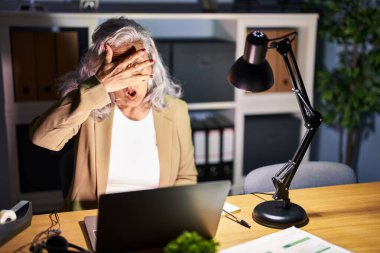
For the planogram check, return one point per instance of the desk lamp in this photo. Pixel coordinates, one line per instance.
(252, 72)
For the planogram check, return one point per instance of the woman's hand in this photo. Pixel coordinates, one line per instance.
(126, 72)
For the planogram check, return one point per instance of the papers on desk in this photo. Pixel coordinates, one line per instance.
(290, 240)
(230, 208)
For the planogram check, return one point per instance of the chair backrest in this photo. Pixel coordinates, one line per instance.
(309, 174)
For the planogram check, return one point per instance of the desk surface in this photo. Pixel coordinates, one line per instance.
(346, 215)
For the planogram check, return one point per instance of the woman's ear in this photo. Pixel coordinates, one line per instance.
(108, 53)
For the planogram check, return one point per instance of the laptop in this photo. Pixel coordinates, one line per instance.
(149, 219)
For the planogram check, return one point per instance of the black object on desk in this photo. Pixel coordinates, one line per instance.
(252, 72)
(10, 229)
(150, 219)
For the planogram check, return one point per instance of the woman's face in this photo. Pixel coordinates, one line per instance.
(132, 96)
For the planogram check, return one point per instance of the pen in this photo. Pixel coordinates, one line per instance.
(240, 221)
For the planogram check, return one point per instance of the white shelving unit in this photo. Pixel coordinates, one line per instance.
(231, 27)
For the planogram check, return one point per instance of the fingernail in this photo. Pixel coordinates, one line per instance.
(151, 60)
(105, 47)
(151, 76)
(143, 49)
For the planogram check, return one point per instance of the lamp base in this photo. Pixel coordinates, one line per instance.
(272, 214)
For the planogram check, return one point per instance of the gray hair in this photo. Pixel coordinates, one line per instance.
(115, 32)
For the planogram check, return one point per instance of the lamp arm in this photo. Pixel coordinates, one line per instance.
(312, 120)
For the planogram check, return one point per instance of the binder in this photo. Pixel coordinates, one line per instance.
(199, 135)
(214, 145)
(213, 137)
(46, 63)
(38, 57)
(228, 134)
(24, 71)
(199, 142)
(227, 147)
(67, 51)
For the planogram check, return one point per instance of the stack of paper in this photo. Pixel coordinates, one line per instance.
(290, 240)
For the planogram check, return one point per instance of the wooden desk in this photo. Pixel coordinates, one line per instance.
(346, 215)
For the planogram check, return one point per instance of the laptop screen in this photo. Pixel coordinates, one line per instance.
(149, 219)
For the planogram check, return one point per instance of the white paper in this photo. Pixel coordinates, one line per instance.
(230, 208)
(290, 240)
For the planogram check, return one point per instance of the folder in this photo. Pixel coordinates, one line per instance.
(213, 146)
(199, 142)
(227, 147)
(213, 137)
(24, 71)
(199, 137)
(67, 51)
(38, 58)
(46, 63)
(228, 133)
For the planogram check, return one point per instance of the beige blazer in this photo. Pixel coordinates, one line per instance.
(72, 117)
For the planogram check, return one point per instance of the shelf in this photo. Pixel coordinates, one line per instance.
(227, 27)
(211, 106)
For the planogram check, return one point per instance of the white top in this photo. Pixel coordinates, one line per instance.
(134, 163)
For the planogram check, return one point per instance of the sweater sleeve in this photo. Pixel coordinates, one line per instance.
(54, 128)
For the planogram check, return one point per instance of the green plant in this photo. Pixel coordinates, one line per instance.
(191, 242)
(350, 92)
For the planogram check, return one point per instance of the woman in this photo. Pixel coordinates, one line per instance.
(131, 131)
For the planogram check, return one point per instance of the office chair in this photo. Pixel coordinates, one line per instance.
(309, 174)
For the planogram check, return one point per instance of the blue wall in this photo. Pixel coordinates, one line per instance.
(369, 154)
(325, 145)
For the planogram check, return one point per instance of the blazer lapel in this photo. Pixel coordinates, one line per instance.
(103, 132)
(163, 126)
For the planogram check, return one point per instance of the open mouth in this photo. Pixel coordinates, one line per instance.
(131, 92)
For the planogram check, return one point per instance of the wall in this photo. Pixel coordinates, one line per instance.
(4, 167)
(160, 6)
(325, 145)
(119, 6)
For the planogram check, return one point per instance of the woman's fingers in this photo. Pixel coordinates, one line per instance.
(131, 59)
(116, 75)
(122, 82)
(142, 78)
(132, 68)
(141, 65)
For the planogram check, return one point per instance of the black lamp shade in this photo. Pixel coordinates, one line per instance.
(252, 72)
(251, 77)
